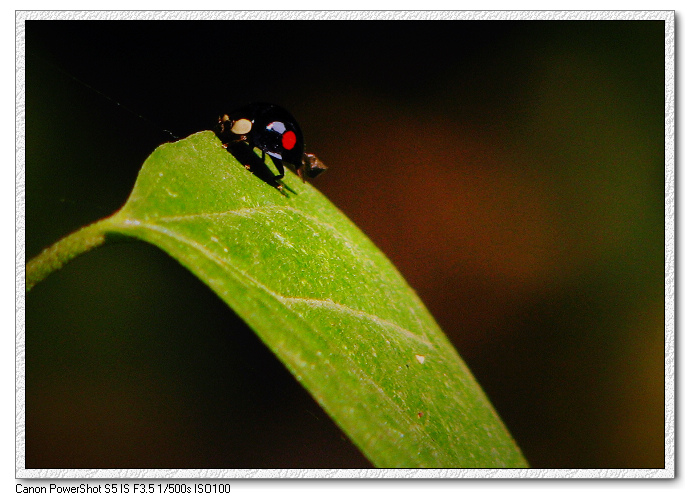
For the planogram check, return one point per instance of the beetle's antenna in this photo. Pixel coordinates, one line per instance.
(95, 90)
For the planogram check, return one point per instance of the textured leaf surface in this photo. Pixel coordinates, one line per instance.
(324, 299)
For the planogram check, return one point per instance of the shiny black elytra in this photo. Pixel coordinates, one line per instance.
(275, 132)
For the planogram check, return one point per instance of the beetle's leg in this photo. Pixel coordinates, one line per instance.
(279, 166)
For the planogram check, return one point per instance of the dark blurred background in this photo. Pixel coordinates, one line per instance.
(513, 171)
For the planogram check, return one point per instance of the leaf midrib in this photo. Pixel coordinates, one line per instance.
(316, 302)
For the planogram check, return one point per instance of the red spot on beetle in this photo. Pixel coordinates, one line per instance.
(289, 140)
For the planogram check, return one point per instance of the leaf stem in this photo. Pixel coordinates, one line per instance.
(54, 257)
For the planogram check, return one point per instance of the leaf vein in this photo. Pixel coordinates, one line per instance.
(251, 210)
(326, 303)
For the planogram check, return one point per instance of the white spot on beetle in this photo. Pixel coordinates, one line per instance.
(420, 358)
(241, 126)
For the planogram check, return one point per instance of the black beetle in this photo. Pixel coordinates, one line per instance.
(275, 132)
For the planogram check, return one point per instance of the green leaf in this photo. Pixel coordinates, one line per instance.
(320, 295)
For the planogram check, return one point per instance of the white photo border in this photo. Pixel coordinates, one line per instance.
(171, 474)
